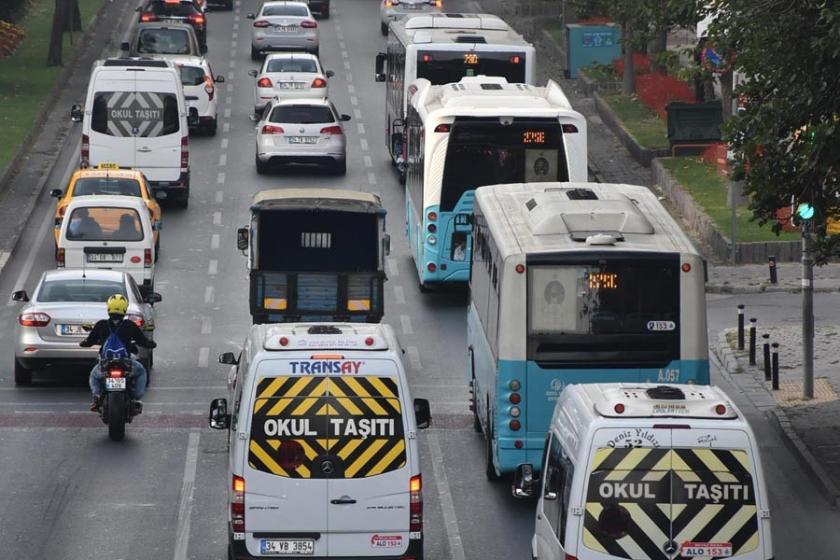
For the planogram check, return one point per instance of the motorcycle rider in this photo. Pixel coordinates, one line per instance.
(130, 335)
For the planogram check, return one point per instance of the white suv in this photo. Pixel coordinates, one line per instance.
(200, 92)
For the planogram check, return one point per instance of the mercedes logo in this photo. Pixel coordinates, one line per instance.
(302, 130)
(327, 467)
(670, 548)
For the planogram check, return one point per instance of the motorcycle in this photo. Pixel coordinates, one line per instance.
(118, 406)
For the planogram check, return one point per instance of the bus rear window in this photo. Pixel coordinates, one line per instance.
(444, 67)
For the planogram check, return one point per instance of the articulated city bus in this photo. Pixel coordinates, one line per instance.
(443, 48)
(574, 283)
(479, 131)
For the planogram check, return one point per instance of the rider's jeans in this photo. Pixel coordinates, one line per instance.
(138, 374)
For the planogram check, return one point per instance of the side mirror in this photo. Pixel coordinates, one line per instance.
(379, 70)
(202, 48)
(329, 73)
(523, 481)
(422, 413)
(56, 193)
(386, 244)
(219, 418)
(345, 118)
(153, 298)
(228, 358)
(220, 79)
(251, 16)
(253, 73)
(242, 235)
(20, 295)
(76, 113)
(125, 46)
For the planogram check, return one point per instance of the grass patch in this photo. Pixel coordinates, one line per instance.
(600, 73)
(555, 29)
(709, 191)
(25, 78)
(648, 129)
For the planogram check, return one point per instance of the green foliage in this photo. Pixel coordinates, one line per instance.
(599, 72)
(648, 129)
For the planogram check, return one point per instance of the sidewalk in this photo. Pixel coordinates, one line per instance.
(755, 278)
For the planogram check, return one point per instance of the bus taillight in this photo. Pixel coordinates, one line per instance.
(569, 129)
(515, 59)
(442, 128)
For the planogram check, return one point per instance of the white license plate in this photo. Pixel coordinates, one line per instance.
(291, 85)
(104, 257)
(115, 383)
(286, 28)
(299, 547)
(71, 330)
(302, 139)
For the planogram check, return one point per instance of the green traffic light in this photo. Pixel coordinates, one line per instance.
(805, 211)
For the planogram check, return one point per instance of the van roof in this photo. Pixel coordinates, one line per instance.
(650, 400)
(286, 337)
(116, 201)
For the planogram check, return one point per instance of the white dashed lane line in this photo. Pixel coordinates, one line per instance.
(413, 358)
(212, 267)
(361, 128)
(222, 160)
(209, 294)
(357, 113)
(214, 241)
(220, 194)
(217, 218)
(226, 127)
(363, 144)
(393, 267)
(349, 77)
(368, 161)
(182, 533)
(354, 101)
(206, 325)
(227, 115)
(224, 143)
(203, 357)
(405, 323)
(220, 178)
(351, 88)
(371, 178)
(399, 295)
(347, 64)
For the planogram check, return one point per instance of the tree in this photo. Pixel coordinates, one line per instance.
(66, 17)
(787, 138)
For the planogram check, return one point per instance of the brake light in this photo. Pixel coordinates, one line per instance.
(442, 128)
(415, 489)
(147, 16)
(237, 505)
(332, 130)
(569, 129)
(261, 23)
(319, 83)
(263, 82)
(570, 557)
(136, 319)
(272, 129)
(438, 3)
(85, 150)
(326, 357)
(308, 24)
(209, 88)
(147, 258)
(432, 216)
(426, 58)
(515, 59)
(34, 319)
(197, 19)
(61, 212)
(116, 372)
(185, 154)
(59, 257)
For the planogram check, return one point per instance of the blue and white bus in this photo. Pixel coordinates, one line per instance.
(574, 283)
(479, 131)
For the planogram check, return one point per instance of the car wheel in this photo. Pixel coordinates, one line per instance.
(255, 54)
(340, 167)
(211, 128)
(23, 376)
(262, 167)
(157, 250)
(183, 202)
(383, 28)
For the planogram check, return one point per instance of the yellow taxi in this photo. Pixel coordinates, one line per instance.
(107, 179)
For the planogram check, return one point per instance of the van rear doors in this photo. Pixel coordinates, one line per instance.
(111, 134)
(159, 133)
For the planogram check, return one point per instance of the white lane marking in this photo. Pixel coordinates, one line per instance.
(368, 162)
(450, 520)
(219, 196)
(414, 358)
(227, 114)
(214, 241)
(234, 35)
(217, 218)
(228, 100)
(206, 326)
(30, 259)
(360, 127)
(209, 294)
(372, 178)
(182, 540)
(405, 322)
(347, 64)
(222, 160)
(225, 142)
(351, 88)
(203, 357)
(357, 113)
(236, 17)
(230, 87)
(399, 295)
(354, 101)
(341, 45)
(349, 77)
(363, 144)
(344, 54)
(232, 64)
(393, 267)
(220, 178)
(226, 126)
(212, 267)
(235, 25)
(339, 35)
(233, 47)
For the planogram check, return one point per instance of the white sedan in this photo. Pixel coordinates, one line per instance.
(289, 76)
(200, 91)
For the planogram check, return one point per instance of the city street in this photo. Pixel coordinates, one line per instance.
(71, 493)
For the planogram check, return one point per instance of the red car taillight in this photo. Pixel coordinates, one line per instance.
(59, 257)
(263, 82)
(237, 505)
(209, 88)
(415, 487)
(272, 129)
(308, 24)
(136, 319)
(85, 150)
(34, 319)
(185, 154)
(319, 83)
(261, 23)
(147, 258)
(148, 16)
(197, 19)
(332, 130)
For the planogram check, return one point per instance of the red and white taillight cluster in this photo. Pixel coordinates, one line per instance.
(237, 505)
(415, 525)
(514, 411)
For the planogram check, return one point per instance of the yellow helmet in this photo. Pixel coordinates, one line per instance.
(117, 304)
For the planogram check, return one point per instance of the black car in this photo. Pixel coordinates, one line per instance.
(176, 11)
(320, 7)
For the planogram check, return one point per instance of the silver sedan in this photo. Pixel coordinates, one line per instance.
(393, 10)
(63, 309)
(301, 131)
(283, 26)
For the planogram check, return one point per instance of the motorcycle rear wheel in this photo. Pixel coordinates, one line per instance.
(116, 416)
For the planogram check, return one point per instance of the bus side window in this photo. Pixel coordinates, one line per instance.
(559, 473)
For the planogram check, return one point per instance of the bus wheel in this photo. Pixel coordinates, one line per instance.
(490, 471)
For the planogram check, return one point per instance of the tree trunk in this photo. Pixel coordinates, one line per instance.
(73, 21)
(57, 33)
(656, 47)
(726, 94)
(629, 81)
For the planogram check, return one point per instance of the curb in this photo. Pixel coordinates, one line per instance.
(644, 156)
(764, 288)
(781, 421)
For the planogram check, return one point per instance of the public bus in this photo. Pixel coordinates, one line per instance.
(479, 131)
(443, 48)
(575, 283)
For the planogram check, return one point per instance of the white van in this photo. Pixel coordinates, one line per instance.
(135, 115)
(109, 232)
(323, 444)
(648, 472)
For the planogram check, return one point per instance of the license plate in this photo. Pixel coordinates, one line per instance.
(115, 383)
(285, 28)
(287, 546)
(291, 85)
(104, 257)
(70, 330)
(302, 139)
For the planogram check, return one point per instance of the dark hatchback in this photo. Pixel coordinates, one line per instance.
(320, 7)
(176, 11)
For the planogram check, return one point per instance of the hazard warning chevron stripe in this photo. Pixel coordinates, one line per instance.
(301, 423)
(643, 501)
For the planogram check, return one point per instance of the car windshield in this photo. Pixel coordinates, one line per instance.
(178, 9)
(291, 65)
(79, 289)
(286, 10)
(104, 224)
(163, 41)
(192, 75)
(106, 185)
(301, 114)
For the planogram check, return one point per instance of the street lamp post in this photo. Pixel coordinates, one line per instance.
(806, 212)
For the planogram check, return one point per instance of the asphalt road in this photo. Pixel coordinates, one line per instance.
(69, 492)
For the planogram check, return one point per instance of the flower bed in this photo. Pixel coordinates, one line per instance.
(10, 38)
(655, 91)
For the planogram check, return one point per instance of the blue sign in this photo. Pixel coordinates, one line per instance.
(598, 39)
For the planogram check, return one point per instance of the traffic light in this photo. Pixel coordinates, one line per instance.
(805, 211)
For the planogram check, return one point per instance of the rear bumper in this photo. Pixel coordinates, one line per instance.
(173, 189)
(240, 552)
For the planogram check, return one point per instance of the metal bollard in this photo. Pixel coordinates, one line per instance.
(752, 340)
(775, 372)
(766, 348)
(772, 263)
(740, 326)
